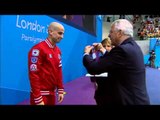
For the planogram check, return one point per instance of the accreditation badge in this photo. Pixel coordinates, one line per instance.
(33, 67)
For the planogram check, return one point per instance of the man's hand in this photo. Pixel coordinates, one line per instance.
(88, 49)
(60, 98)
(99, 47)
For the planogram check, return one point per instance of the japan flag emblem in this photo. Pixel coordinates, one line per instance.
(35, 52)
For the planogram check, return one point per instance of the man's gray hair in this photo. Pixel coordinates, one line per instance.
(124, 25)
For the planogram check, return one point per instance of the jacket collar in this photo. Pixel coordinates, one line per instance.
(127, 40)
(49, 43)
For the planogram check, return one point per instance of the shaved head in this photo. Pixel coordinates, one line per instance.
(55, 26)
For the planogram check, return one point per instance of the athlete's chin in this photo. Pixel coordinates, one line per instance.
(58, 41)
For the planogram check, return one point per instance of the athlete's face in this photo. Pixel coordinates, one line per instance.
(57, 35)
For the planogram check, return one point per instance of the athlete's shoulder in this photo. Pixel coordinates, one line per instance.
(39, 45)
(58, 49)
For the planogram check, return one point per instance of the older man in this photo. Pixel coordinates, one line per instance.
(126, 83)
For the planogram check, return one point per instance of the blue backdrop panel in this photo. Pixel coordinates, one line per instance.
(157, 51)
(155, 45)
(152, 43)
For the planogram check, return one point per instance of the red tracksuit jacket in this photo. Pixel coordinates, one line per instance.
(45, 70)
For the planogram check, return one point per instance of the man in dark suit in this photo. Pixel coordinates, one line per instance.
(126, 83)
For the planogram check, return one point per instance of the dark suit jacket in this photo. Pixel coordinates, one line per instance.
(126, 73)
